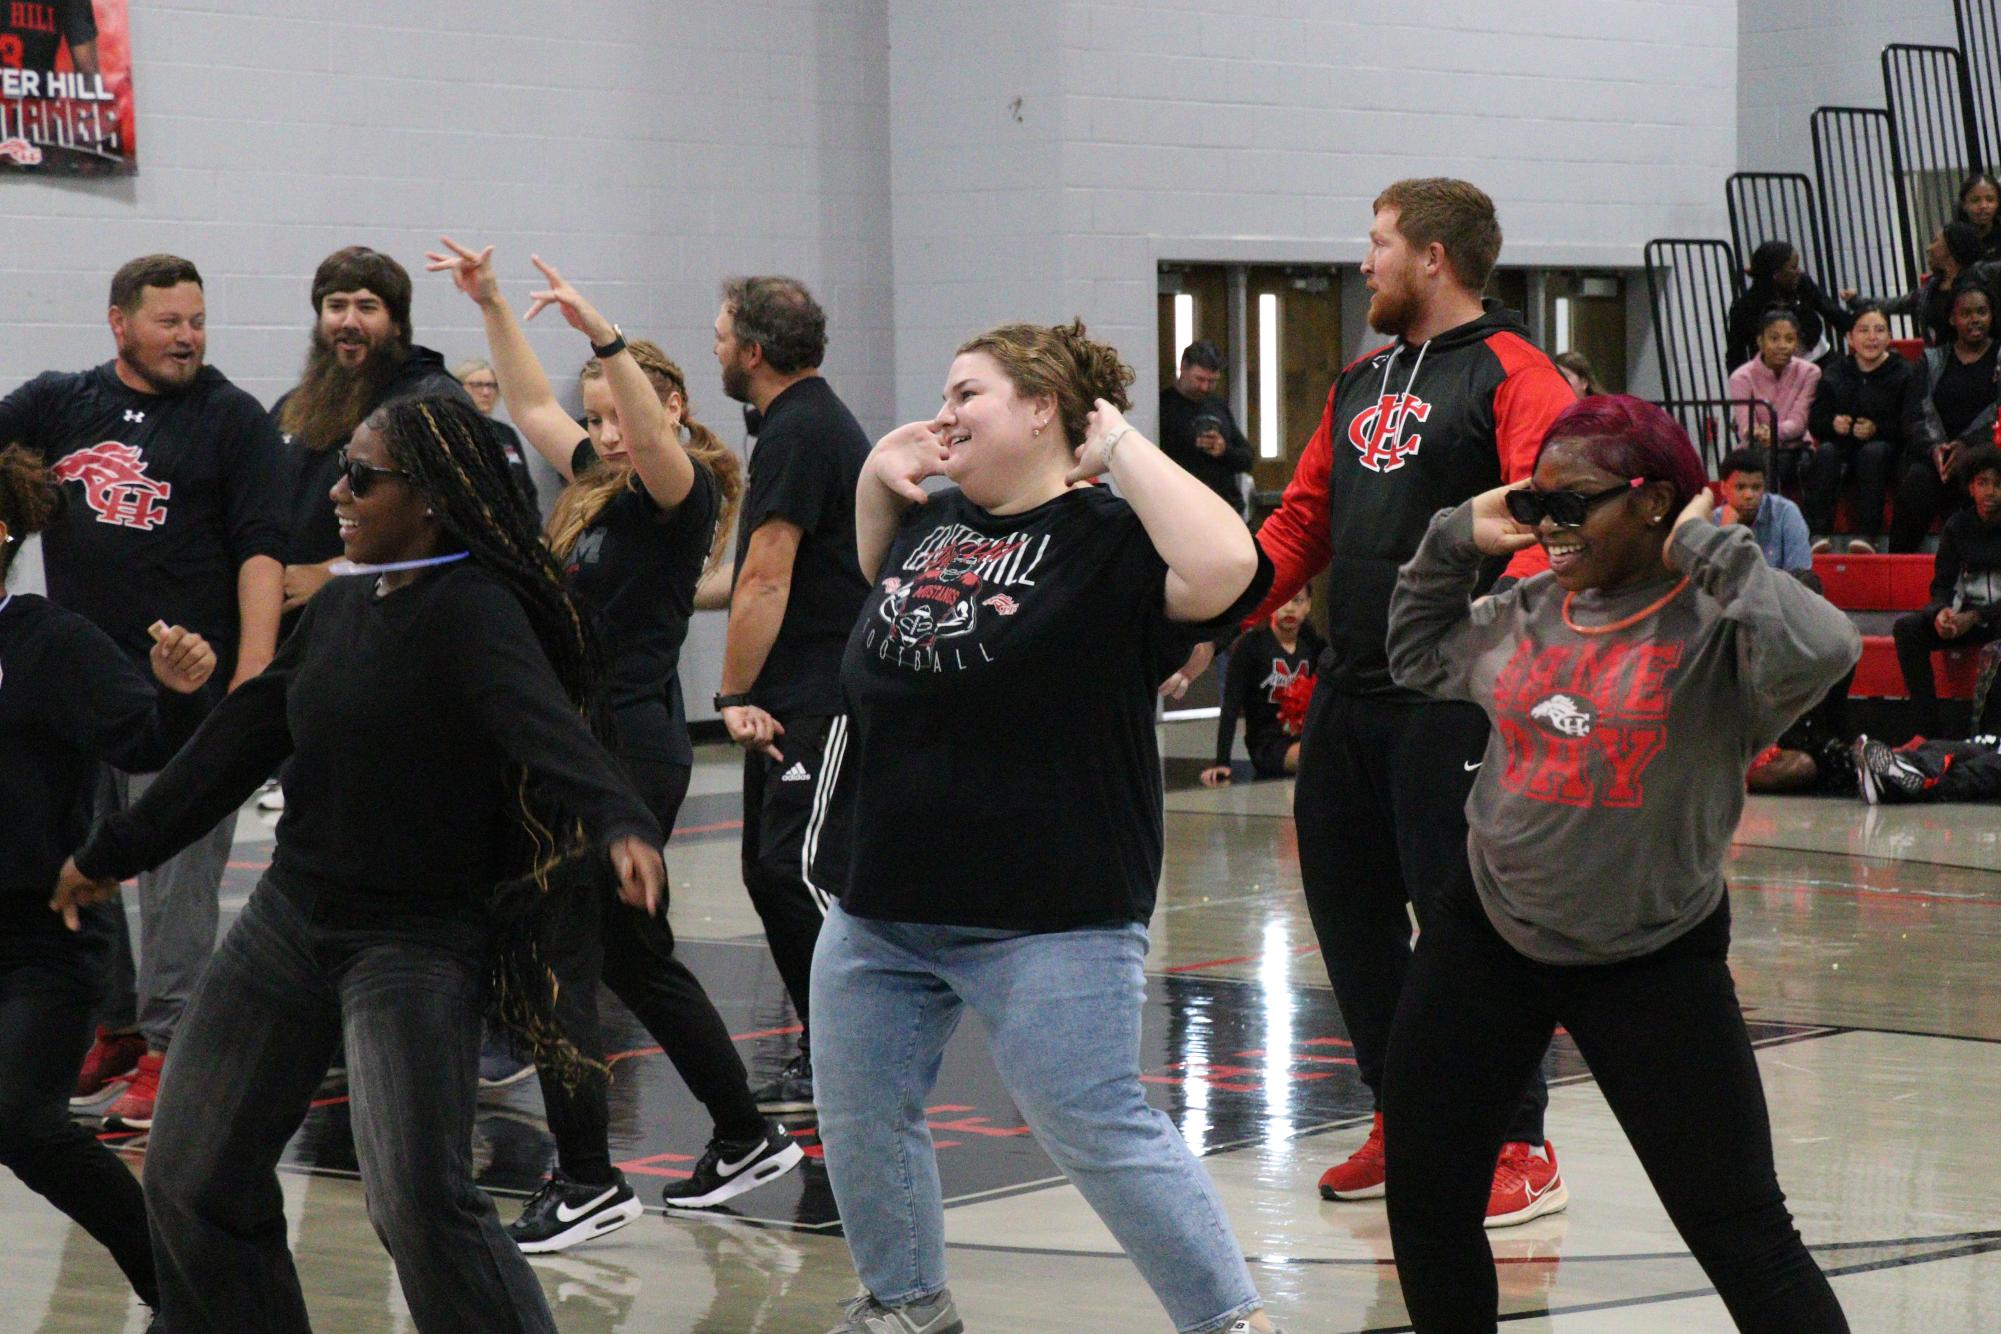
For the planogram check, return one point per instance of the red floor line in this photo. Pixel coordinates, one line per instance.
(618, 1056)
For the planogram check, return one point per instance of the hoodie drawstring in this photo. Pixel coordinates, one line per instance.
(1383, 393)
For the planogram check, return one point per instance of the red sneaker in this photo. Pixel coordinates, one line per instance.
(134, 1108)
(1525, 1185)
(1361, 1177)
(109, 1061)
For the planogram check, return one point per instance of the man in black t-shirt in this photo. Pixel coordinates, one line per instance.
(798, 591)
(171, 473)
(358, 357)
(1196, 428)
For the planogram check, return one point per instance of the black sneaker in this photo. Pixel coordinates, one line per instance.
(791, 1090)
(1884, 775)
(565, 1212)
(728, 1170)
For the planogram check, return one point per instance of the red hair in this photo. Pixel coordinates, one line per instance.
(1630, 437)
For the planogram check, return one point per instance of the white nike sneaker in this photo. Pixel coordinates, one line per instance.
(565, 1212)
(728, 1170)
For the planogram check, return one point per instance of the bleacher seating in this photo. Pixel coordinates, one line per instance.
(1874, 591)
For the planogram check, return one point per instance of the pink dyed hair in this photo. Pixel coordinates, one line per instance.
(1630, 437)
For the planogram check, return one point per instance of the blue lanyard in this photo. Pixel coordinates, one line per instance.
(341, 567)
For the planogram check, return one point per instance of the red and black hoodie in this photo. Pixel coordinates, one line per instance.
(1409, 430)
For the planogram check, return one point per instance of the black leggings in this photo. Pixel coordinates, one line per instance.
(1666, 1041)
(634, 955)
(48, 997)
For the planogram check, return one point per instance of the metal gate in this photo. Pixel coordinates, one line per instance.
(1777, 206)
(1980, 41)
(1691, 284)
(1932, 138)
(1859, 199)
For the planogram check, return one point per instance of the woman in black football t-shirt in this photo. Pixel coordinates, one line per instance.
(1008, 809)
(641, 518)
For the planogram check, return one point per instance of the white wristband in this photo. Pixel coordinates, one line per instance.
(1111, 443)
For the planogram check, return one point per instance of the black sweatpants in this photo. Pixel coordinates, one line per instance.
(1921, 497)
(1380, 805)
(1664, 1037)
(797, 819)
(634, 955)
(49, 992)
(1916, 636)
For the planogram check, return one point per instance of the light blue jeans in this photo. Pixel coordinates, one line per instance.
(1062, 1013)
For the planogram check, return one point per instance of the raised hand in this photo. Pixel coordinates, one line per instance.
(906, 456)
(1698, 509)
(75, 890)
(581, 314)
(181, 659)
(472, 271)
(642, 874)
(1101, 430)
(1494, 529)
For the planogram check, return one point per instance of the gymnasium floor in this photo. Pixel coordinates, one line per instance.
(1866, 947)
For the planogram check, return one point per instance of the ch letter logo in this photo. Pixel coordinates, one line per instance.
(116, 486)
(1378, 433)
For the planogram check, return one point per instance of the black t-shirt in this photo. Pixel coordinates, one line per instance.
(169, 494)
(1964, 389)
(636, 566)
(1178, 415)
(1261, 672)
(403, 717)
(1002, 682)
(35, 32)
(69, 701)
(809, 455)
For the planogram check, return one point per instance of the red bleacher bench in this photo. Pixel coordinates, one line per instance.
(1891, 585)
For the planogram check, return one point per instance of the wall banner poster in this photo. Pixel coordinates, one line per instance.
(66, 88)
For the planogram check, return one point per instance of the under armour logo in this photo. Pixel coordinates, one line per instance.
(134, 415)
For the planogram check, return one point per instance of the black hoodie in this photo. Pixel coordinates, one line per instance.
(1419, 429)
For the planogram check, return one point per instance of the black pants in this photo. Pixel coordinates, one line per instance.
(634, 955)
(796, 821)
(1380, 805)
(1916, 635)
(401, 983)
(49, 992)
(1664, 1037)
(1870, 461)
(1958, 771)
(1921, 497)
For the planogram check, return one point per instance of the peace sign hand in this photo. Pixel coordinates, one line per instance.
(472, 271)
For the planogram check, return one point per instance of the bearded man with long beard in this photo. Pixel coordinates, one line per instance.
(360, 357)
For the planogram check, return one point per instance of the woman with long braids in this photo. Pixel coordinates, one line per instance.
(69, 701)
(443, 784)
(644, 514)
(1024, 893)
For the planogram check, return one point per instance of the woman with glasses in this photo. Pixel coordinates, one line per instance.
(1629, 689)
(649, 496)
(443, 785)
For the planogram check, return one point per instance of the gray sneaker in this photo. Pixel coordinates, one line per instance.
(932, 1315)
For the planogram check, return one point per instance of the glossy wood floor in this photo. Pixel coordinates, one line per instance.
(1868, 944)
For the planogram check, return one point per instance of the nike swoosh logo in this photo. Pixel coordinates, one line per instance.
(565, 1214)
(731, 1169)
(1474, 765)
(1535, 1194)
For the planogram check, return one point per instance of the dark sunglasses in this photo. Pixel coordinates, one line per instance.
(361, 476)
(1565, 509)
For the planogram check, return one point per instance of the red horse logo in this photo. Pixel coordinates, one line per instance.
(116, 486)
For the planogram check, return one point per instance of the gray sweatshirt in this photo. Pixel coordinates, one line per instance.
(1614, 776)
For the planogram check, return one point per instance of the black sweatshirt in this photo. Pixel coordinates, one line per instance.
(1178, 415)
(402, 716)
(1966, 574)
(70, 699)
(1260, 673)
(1892, 396)
(1812, 310)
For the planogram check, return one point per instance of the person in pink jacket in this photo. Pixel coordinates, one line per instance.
(1784, 380)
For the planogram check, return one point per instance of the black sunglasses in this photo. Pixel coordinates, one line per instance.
(361, 476)
(1565, 509)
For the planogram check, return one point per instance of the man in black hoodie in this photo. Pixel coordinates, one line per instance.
(360, 357)
(1457, 405)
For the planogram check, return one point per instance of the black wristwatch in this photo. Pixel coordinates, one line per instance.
(613, 348)
(731, 701)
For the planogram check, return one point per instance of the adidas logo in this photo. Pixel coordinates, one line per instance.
(796, 774)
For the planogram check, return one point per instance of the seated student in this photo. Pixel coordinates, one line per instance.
(1776, 522)
(1963, 376)
(1979, 201)
(1929, 771)
(1965, 607)
(1271, 676)
(1776, 281)
(1868, 408)
(1785, 380)
(1952, 256)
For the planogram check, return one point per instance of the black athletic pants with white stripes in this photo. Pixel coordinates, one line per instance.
(796, 833)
